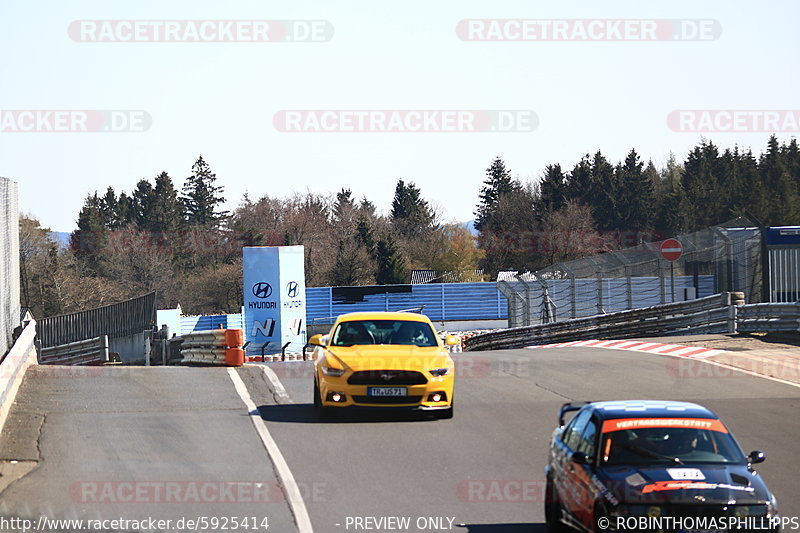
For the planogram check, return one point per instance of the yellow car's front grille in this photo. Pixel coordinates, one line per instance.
(387, 377)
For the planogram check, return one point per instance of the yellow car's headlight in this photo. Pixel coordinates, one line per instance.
(440, 372)
(333, 372)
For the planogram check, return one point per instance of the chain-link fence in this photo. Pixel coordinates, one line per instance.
(9, 263)
(722, 258)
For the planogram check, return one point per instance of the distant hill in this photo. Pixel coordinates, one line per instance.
(470, 225)
(61, 238)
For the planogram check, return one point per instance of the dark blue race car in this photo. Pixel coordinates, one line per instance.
(652, 466)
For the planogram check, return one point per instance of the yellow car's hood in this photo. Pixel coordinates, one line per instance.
(390, 357)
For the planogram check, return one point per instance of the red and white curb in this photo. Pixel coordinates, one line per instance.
(695, 352)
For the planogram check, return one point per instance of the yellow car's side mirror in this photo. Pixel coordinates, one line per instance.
(316, 340)
(451, 340)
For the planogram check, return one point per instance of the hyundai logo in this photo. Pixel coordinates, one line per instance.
(262, 290)
(291, 289)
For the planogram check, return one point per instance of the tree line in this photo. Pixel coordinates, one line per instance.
(182, 243)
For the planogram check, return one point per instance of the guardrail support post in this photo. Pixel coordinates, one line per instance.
(732, 317)
(104, 344)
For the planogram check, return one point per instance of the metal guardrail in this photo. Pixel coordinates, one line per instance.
(713, 314)
(766, 317)
(86, 352)
(116, 320)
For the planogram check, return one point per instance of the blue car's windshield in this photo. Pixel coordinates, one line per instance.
(669, 444)
(402, 332)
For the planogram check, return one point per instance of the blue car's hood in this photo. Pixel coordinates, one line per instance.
(725, 484)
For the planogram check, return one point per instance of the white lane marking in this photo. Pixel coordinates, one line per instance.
(278, 390)
(293, 496)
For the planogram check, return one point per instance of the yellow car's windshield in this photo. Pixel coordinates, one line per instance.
(400, 332)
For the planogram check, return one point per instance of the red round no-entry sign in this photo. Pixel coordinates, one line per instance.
(671, 250)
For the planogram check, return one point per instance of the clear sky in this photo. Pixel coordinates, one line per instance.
(219, 99)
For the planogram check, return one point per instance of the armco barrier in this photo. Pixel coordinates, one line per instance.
(214, 347)
(12, 368)
(765, 317)
(712, 314)
(88, 352)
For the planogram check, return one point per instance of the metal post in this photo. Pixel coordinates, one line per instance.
(599, 293)
(147, 348)
(672, 280)
(629, 283)
(661, 285)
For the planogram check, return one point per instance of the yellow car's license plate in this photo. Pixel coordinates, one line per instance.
(387, 391)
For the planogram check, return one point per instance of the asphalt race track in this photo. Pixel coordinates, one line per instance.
(483, 469)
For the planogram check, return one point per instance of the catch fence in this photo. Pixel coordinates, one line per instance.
(9, 264)
(714, 260)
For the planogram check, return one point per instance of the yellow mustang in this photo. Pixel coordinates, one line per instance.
(383, 360)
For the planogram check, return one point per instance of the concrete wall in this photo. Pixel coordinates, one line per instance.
(21, 356)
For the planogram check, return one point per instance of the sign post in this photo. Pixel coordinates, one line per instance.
(274, 298)
(672, 250)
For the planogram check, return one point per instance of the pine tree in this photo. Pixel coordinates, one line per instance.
(109, 209)
(142, 203)
(776, 178)
(166, 210)
(410, 216)
(671, 212)
(498, 182)
(364, 233)
(391, 267)
(344, 206)
(741, 190)
(88, 241)
(701, 182)
(637, 200)
(552, 189)
(603, 192)
(578, 181)
(202, 198)
(124, 209)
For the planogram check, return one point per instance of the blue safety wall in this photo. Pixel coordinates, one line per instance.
(202, 323)
(442, 301)
(470, 301)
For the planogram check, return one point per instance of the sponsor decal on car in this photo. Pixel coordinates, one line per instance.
(661, 486)
(634, 423)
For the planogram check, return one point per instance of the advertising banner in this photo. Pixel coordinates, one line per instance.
(274, 298)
